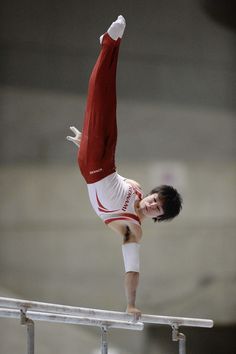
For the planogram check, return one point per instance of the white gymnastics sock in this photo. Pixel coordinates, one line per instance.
(116, 29)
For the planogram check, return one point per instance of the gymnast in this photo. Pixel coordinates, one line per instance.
(118, 201)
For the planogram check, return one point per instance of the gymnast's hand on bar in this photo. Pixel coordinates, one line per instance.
(75, 139)
(134, 311)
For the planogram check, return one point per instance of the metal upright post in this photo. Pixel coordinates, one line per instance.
(30, 331)
(104, 344)
(182, 343)
(179, 337)
(30, 336)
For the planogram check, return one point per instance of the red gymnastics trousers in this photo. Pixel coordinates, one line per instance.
(96, 155)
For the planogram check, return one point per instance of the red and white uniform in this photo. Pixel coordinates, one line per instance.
(113, 199)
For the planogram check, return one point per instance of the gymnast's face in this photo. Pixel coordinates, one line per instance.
(151, 206)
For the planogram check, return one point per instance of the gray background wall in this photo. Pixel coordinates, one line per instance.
(176, 110)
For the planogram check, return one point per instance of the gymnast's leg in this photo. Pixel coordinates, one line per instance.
(96, 155)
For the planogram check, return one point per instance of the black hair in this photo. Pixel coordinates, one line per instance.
(172, 202)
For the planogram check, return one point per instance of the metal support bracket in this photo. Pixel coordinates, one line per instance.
(24, 320)
(179, 337)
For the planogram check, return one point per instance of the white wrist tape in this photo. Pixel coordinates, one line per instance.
(131, 256)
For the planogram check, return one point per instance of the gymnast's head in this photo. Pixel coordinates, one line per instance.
(162, 203)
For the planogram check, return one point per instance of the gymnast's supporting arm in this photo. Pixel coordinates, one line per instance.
(130, 252)
(131, 285)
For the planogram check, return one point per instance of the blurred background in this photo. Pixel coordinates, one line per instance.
(176, 87)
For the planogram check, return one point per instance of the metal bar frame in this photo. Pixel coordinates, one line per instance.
(103, 314)
(29, 311)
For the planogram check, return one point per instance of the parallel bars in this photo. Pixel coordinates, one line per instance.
(30, 311)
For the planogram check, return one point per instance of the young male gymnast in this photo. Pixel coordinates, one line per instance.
(119, 202)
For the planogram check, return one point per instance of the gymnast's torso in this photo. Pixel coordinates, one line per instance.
(114, 200)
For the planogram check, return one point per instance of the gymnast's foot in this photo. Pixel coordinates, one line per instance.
(116, 29)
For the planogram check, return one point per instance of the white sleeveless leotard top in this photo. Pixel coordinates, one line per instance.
(113, 198)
